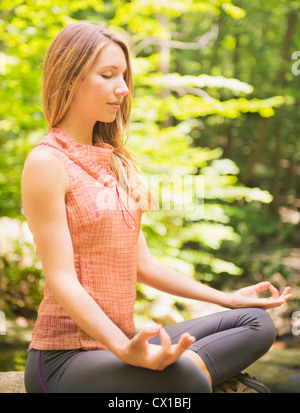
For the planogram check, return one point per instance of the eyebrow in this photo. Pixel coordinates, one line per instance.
(111, 67)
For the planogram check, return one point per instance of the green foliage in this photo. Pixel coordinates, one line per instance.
(21, 284)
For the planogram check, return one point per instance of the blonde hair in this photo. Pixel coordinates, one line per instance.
(69, 57)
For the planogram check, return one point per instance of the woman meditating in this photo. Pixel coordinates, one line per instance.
(83, 202)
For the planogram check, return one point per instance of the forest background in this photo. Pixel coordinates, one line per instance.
(216, 99)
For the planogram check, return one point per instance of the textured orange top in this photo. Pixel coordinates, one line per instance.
(104, 226)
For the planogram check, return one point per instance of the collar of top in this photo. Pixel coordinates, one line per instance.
(98, 154)
(95, 159)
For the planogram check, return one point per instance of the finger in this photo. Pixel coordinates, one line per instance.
(177, 349)
(262, 286)
(286, 290)
(286, 294)
(274, 304)
(185, 341)
(164, 357)
(168, 349)
(165, 341)
(145, 334)
(271, 302)
(274, 291)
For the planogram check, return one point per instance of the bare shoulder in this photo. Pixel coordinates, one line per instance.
(43, 189)
(43, 167)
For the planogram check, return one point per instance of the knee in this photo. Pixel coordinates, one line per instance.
(263, 323)
(190, 378)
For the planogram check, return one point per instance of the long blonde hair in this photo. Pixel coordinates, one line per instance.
(69, 57)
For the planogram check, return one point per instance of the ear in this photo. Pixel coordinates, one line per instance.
(71, 84)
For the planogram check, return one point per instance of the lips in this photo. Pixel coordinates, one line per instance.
(115, 105)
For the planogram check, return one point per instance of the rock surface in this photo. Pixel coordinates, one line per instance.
(279, 370)
(12, 382)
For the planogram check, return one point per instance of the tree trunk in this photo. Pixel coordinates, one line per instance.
(164, 68)
(279, 84)
(255, 154)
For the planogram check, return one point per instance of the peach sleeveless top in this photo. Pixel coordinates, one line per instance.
(104, 226)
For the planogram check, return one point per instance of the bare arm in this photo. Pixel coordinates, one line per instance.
(161, 277)
(44, 185)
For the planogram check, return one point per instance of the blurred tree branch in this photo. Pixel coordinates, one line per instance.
(200, 44)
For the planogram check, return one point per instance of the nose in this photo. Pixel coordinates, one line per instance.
(122, 89)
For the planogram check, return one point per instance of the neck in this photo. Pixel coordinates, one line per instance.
(80, 130)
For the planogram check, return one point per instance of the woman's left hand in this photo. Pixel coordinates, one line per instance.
(248, 296)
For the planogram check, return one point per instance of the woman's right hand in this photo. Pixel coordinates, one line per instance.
(139, 352)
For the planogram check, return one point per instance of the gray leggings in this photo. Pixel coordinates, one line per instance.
(228, 342)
